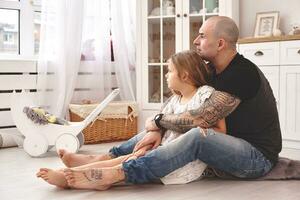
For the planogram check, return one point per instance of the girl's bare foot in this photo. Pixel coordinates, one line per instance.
(75, 160)
(53, 177)
(96, 179)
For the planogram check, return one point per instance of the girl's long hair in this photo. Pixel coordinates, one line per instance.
(199, 73)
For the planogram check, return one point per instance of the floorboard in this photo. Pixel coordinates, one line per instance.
(18, 182)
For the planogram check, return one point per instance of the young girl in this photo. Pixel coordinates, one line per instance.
(188, 78)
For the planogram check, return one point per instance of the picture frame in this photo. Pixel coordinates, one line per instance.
(266, 23)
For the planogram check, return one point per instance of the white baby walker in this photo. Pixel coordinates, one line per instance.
(41, 138)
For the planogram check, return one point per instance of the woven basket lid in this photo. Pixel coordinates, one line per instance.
(117, 109)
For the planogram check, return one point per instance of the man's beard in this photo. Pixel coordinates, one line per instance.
(203, 57)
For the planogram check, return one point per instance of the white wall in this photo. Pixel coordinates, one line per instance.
(289, 13)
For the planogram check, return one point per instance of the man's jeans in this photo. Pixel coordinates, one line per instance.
(226, 153)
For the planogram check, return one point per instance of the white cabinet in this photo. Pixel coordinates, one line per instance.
(290, 52)
(290, 89)
(262, 54)
(266, 57)
(272, 74)
(290, 101)
(280, 62)
(165, 27)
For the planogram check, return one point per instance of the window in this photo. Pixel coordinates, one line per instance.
(9, 31)
(37, 3)
(36, 33)
(88, 47)
(8, 38)
(20, 23)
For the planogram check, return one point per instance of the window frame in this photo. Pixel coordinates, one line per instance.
(26, 10)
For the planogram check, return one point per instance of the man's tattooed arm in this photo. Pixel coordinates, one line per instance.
(218, 106)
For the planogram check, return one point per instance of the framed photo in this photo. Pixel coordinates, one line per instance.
(266, 23)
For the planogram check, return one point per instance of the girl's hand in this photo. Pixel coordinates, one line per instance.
(137, 154)
(142, 151)
(152, 138)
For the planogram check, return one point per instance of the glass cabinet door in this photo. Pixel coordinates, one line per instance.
(167, 27)
(199, 11)
(161, 24)
(171, 26)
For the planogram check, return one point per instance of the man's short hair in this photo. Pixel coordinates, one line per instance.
(226, 28)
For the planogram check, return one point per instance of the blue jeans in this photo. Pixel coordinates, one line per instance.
(126, 147)
(223, 152)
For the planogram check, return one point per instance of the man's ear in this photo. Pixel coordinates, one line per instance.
(222, 44)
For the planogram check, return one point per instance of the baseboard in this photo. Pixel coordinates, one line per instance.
(291, 144)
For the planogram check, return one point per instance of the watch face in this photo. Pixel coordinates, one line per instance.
(156, 117)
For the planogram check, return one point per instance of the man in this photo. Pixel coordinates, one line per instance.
(243, 97)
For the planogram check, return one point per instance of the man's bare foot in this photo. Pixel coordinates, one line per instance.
(75, 160)
(53, 177)
(96, 179)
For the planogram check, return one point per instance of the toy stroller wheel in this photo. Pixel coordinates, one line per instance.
(80, 137)
(50, 147)
(68, 142)
(35, 146)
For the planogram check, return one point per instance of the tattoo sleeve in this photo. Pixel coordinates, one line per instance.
(218, 106)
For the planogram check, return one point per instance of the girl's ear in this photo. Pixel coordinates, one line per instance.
(185, 76)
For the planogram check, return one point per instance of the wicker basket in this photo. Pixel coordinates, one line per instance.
(110, 125)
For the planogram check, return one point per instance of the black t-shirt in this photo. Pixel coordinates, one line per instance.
(239, 78)
(256, 118)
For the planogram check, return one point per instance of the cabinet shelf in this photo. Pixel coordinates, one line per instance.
(211, 14)
(201, 14)
(156, 20)
(160, 16)
(155, 64)
(196, 15)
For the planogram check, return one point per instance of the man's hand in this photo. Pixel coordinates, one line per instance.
(151, 138)
(150, 125)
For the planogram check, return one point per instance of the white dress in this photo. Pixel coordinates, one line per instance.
(192, 170)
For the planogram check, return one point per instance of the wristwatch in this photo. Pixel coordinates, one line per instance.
(157, 119)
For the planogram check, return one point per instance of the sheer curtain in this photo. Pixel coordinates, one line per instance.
(123, 37)
(96, 52)
(76, 38)
(108, 21)
(59, 56)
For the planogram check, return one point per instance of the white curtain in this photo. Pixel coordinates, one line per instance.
(106, 21)
(123, 37)
(76, 39)
(60, 50)
(96, 65)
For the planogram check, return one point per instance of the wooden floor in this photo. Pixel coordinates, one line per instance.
(18, 181)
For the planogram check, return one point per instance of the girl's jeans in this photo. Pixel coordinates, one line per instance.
(220, 151)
